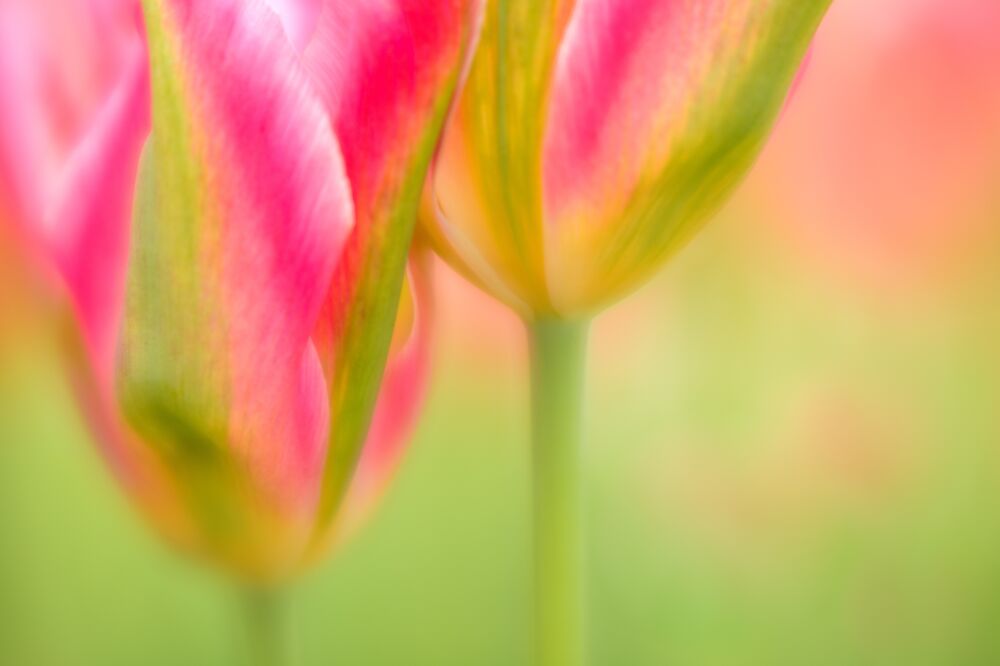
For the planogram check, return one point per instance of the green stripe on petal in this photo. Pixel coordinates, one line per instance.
(488, 177)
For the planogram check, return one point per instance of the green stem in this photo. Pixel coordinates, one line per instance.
(558, 362)
(267, 627)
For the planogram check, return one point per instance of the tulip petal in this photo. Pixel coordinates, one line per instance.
(404, 385)
(59, 62)
(658, 109)
(298, 18)
(387, 70)
(89, 227)
(70, 138)
(242, 212)
(487, 177)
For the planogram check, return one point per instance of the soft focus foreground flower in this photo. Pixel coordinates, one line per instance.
(236, 332)
(594, 136)
(66, 69)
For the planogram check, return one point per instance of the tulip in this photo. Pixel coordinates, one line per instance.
(234, 267)
(591, 140)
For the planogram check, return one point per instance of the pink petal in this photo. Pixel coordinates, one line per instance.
(59, 62)
(658, 107)
(620, 65)
(243, 210)
(89, 227)
(298, 18)
(382, 68)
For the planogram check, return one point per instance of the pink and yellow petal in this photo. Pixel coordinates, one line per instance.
(487, 178)
(243, 211)
(387, 72)
(659, 108)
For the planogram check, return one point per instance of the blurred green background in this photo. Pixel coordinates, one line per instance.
(780, 473)
(794, 435)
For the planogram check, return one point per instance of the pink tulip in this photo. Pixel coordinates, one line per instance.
(235, 331)
(595, 136)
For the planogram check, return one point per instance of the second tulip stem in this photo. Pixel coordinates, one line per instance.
(558, 365)
(266, 626)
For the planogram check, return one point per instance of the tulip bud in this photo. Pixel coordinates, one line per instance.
(594, 137)
(237, 330)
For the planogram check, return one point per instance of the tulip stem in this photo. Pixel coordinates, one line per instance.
(267, 628)
(558, 365)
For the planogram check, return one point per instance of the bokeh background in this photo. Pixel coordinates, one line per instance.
(794, 431)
